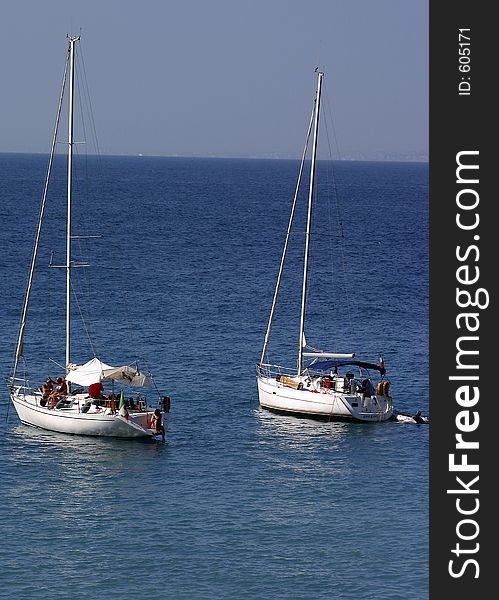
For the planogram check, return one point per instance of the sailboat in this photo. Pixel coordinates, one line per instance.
(324, 384)
(81, 408)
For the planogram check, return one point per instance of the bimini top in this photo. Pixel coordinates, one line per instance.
(327, 365)
(95, 370)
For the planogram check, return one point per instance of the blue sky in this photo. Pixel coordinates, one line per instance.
(220, 77)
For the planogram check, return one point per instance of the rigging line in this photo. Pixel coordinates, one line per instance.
(22, 325)
(80, 103)
(49, 324)
(330, 173)
(341, 242)
(89, 320)
(85, 109)
(84, 281)
(89, 103)
(334, 187)
(85, 187)
(90, 303)
(333, 127)
(330, 219)
(85, 99)
(83, 320)
(82, 117)
(80, 100)
(330, 184)
(151, 377)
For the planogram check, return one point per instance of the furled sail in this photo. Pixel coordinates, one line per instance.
(95, 370)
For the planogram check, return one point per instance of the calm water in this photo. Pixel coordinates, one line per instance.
(238, 503)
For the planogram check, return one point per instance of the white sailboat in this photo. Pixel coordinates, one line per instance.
(81, 410)
(324, 384)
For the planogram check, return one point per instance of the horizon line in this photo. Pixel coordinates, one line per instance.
(415, 158)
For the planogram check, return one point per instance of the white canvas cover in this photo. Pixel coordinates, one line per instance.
(128, 375)
(90, 372)
(95, 370)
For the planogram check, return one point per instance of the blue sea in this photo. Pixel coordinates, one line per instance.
(238, 503)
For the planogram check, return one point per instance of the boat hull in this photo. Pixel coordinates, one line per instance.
(75, 422)
(325, 403)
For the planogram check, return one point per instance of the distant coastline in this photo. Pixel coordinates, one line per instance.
(417, 158)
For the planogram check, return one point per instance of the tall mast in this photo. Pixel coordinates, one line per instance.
(309, 220)
(72, 41)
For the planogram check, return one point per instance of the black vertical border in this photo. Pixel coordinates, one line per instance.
(462, 123)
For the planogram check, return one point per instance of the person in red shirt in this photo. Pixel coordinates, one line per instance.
(95, 390)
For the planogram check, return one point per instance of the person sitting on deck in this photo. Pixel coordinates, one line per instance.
(157, 423)
(61, 391)
(47, 389)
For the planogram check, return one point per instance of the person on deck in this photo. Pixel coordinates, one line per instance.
(47, 389)
(157, 423)
(368, 388)
(95, 390)
(61, 391)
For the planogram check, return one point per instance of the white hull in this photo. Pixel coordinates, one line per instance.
(323, 403)
(72, 420)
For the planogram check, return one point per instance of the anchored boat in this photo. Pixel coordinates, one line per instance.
(324, 384)
(79, 406)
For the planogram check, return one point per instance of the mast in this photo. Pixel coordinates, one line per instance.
(72, 41)
(309, 220)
